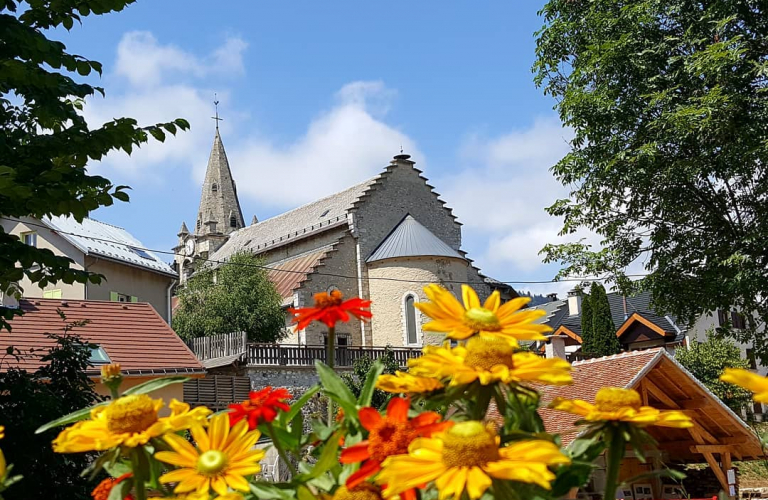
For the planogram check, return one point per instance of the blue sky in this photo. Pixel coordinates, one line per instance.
(317, 96)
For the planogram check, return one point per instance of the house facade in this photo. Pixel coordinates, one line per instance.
(382, 239)
(132, 273)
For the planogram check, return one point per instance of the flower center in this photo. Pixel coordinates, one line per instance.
(615, 398)
(211, 462)
(363, 491)
(323, 299)
(480, 318)
(131, 414)
(485, 353)
(389, 438)
(469, 444)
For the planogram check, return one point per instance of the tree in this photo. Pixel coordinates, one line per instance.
(45, 143)
(29, 400)
(600, 337)
(587, 344)
(360, 369)
(668, 102)
(236, 297)
(707, 360)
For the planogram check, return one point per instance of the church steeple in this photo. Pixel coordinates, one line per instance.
(218, 201)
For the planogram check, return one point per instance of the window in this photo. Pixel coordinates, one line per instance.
(737, 320)
(99, 356)
(411, 336)
(325, 213)
(198, 224)
(52, 294)
(342, 339)
(121, 297)
(722, 317)
(215, 187)
(233, 221)
(141, 253)
(29, 238)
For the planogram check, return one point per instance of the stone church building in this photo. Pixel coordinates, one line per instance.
(382, 239)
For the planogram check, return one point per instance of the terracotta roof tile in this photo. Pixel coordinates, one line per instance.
(132, 334)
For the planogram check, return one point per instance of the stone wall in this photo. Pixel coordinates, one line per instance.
(388, 308)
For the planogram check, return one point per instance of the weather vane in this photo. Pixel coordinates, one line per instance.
(216, 106)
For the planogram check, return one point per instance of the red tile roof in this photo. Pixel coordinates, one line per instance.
(288, 275)
(132, 334)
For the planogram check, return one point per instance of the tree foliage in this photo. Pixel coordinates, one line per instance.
(360, 369)
(669, 107)
(46, 143)
(236, 297)
(29, 400)
(707, 360)
(599, 338)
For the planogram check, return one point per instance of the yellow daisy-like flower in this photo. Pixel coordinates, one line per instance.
(466, 457)
(489, 360)
(749, 381)
(401, 382)
(624, 405)
(222, 459)
(2, 431)
(491, 318)
(129, 421)
(205, 496)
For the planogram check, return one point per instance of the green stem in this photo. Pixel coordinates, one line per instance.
(279, 448)
(139, 474)
(614, 455)
(330, 358)
(113, 392)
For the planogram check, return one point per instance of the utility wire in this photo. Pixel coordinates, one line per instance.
(333, 275)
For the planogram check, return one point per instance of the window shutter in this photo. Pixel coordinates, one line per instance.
(722, 317)
(113, 297)
(134, 299)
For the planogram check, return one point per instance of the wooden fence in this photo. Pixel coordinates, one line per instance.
(305, 355)
(218, 346)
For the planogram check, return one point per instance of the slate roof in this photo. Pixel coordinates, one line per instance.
(93, 237)
(558, 314)
(411, 239)
(317, 216)
(132, 334)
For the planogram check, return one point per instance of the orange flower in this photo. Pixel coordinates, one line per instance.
(101, 492)
(331, 308)
(388, 435)
(261, 406)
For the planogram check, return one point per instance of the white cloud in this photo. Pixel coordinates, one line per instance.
(341, 147)
(503, 192)
(146, 63)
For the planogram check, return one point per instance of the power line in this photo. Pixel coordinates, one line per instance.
(319, 273)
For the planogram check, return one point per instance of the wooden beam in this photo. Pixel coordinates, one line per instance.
(644, 392)
(710, 448)
(693, 404)
(718, 471)
(660, 395)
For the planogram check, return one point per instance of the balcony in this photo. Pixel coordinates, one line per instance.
(305, 355)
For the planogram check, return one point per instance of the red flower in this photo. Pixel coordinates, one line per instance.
(388, 435)
(330, 308)
(102, 491)
(260, 407)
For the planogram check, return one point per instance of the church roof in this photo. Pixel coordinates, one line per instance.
(287, 275)
(411, 239)
(98, 238)
(313, 217)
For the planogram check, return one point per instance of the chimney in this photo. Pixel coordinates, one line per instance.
(574, 302)
(556, 347)
(552, 297)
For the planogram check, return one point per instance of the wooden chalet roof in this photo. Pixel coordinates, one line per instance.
(132, 334)
(664, 384)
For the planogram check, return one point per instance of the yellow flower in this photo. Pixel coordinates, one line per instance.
(2, 431)
(624, 405)
(402, 382)
(129, 421)
(466, 457)
(205, 496)
(749, 381)
(222, 459)
(363, 491)
(491, 318)
(110, 371)
(489, 360)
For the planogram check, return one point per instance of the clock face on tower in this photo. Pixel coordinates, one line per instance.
(189, 247)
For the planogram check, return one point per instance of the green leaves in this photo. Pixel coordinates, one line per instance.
(70, 418)
(370, 384)
(335, 388)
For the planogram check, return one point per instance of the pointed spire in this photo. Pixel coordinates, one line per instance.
(254, 221)
(183, 231)
(218, 201)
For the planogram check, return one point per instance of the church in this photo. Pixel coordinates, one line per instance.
(383, 239)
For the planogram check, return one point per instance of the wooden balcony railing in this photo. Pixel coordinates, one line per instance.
(305, 355)
(218, 346)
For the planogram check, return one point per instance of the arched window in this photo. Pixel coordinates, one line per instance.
(233, 221)
(214, 187)
(411, 331)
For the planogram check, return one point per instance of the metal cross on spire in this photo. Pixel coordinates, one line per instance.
(216, 106)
